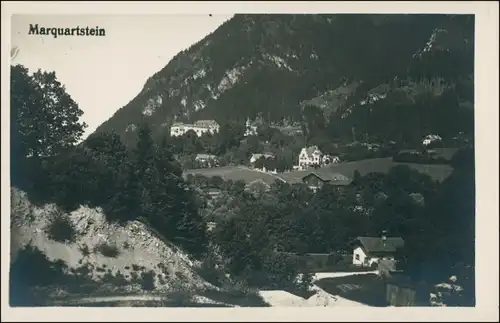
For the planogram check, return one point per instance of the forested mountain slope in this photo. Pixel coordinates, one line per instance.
(381, 76)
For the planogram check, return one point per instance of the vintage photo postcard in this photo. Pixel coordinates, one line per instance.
(240, 157)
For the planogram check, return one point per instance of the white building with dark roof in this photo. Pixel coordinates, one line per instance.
(370, 250)
(200, 127)
(310, 156)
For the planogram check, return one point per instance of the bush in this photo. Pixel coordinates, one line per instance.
(306, 279)
(148, 282)
(32, 268)
(107, 250)
(61, 229)
(278, 271)
(208, 272)
(84, 249)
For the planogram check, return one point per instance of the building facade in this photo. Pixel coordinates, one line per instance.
(199, 127)
(310, 157)
(370, 250)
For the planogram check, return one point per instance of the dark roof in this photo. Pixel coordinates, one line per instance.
(331, 178)
(378, 245)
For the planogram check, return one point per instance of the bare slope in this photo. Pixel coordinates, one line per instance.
(137, 246)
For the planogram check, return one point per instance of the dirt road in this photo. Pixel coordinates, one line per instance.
(275, 298)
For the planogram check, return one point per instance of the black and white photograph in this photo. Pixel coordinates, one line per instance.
(313, 160)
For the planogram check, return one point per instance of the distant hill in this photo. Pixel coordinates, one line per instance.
(382, 76)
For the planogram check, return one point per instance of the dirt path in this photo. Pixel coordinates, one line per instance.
(129, 299)
(275, 298)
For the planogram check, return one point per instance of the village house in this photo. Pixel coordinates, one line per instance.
(210, 160)
(211, 226)
(213, 192)
(199, 127)
(370, 250)
(250, 129)
(429, 139)
(256, 157)
(327, 159)
(316, 180)
(310, 156)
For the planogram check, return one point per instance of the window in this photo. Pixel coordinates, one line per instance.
(357, 256)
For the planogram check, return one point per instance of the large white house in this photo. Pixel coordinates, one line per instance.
(250, 129)
(310, 156)
(199, 127)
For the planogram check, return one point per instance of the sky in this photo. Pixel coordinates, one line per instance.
(102, 74)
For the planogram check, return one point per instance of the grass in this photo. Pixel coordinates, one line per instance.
(367, 289)
(375, 165)
(233, 173)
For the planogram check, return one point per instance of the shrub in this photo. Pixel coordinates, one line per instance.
(147, 282)
(107, 250)
(277, 270)
(84, 249)
(61, 229)
(32, 268)
(209, 273)
(306, 280)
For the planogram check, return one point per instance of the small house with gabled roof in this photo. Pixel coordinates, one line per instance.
(316, 180)
(369, 250)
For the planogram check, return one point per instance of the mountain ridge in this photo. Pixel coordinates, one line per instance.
(273, 66)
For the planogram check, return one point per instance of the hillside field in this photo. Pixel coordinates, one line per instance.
(377, 165)
(235, 173)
